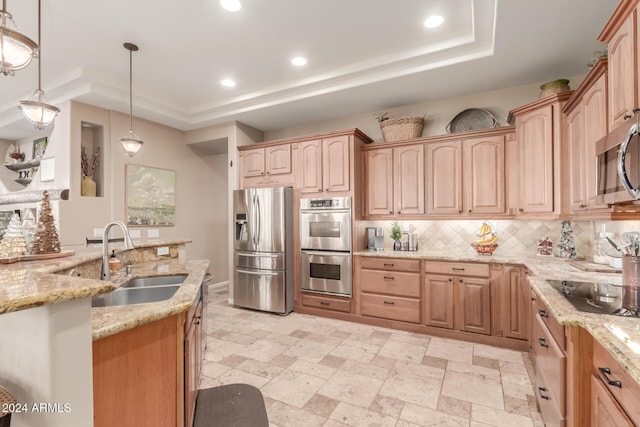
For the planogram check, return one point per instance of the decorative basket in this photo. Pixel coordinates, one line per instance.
(553, 87)
(484, 249)
(402, 128)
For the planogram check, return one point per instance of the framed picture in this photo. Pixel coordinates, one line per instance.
(39, 147)
(150, 196)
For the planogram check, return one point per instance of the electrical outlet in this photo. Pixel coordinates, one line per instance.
(162, 250)
(135, 234)
(97, 232)
(405, 227)
(153, 233)
(163, 268)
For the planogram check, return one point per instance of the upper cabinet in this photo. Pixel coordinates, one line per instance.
(266, 167)
(395, 180)
(621, 34)
(324, 165)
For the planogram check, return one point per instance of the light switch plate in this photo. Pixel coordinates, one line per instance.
(153, 233)
(97, 232)
(405, 227)
(162, 250)
(135, 234)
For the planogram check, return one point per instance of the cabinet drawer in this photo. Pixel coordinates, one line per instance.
(391, 283)
(629, 390)
(556, 329)
(552, 412)
(390, 264)
(394, 308)
(550, 360)
(457, 268)
(326, 303)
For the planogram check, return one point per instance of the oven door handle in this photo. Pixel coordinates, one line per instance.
(256, 255)
(326, 253)
(257, 273)
(622, 169)
(324, 211)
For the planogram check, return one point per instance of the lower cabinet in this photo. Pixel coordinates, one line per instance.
(605, 410)
(509, 302)
(192, 360)
(326, 302)
(458, 296)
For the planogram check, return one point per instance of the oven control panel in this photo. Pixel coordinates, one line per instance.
(333, 203)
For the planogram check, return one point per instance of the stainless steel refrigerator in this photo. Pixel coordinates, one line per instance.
(263, 249)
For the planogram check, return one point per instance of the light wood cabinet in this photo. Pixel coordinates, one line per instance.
(577, 157)
(605, 410)
(326, 302)
(395, 180)
(595, 128)
(266, 166)
(455, 298)
(510, 302)
(324, 165)
(466, 176)
(193, 353)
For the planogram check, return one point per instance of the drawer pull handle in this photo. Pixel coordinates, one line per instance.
(540, 390)
(543, 342)
(533, 299)
(389, 302)
(324, 303)
(388, 278)
(457, 269)
(387, 265)
(605, 372)
(543, 313)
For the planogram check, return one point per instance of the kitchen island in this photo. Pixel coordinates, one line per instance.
(49, 329)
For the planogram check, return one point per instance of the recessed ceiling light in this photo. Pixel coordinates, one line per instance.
(434, 21)
(227, 83)
(231, 5)
(299, 61)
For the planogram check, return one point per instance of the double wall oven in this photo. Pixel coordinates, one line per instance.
(325, 242)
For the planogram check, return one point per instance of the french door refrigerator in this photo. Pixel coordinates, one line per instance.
(263, 249)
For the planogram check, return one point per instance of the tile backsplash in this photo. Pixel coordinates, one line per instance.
(520, 237)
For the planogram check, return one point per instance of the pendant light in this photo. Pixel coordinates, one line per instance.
(16, 49)
(131, 143)
(37, 108)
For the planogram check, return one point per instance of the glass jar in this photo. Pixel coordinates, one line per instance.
(601, 249)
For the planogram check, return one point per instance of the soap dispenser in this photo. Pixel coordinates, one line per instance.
(114, 262)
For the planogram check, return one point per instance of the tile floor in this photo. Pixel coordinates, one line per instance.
(314, 371)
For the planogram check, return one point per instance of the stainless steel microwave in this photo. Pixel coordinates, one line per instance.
(618, 165)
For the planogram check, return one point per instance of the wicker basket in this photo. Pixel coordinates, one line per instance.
(402, 128)
(553, 87)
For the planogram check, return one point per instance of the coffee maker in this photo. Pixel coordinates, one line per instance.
(375, 239)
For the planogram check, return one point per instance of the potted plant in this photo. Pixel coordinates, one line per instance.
(88, 185)
(396, 235)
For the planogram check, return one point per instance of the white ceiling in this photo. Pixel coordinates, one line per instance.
(364, 55)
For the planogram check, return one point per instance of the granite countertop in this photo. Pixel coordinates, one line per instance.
(619, 335)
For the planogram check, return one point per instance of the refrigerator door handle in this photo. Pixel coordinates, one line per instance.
(258, 219)
(257, 273)
(253, 218)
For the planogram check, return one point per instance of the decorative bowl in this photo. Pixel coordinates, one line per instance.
(484, 249)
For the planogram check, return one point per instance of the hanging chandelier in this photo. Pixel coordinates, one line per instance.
(37, 108)
(16, 49)
(131, 143)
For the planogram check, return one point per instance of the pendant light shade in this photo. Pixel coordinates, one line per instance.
(16, 49)
(131, 143)
(37, 108)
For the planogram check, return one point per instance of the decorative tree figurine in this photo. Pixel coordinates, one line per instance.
(567, 246)
(13, 243)
(46, 240)
(29, 229)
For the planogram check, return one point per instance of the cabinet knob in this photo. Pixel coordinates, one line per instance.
(582, 205)
(460, 211)
(319, 190)
(521, 209)
(469, 210)
(267, 172)
(390, 212)
(450, 279)
(326, 189)
(461, 281)
(261, 173)
(399, 212)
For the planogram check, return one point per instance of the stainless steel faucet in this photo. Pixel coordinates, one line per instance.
(128, 244)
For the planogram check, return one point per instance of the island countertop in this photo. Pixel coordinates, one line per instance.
(620, 336)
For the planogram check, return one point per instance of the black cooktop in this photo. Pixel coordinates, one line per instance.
(599, 297)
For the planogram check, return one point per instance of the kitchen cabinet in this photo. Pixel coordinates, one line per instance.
(466, 176)
(326, 302)
(390, 289)
(509, 302)
(266, 167)
(324, 165)
(458, 296)
(395, 180)
(541, 148)
(620, 34)
(193, 353)
(614, 394)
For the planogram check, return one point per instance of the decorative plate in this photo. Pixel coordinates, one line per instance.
(472, 119)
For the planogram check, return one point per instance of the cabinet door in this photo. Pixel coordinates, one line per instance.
(622, 67)
(534, 131)
(252, 162)
(192, 355)
(408, 174)
(380, 181)
(605, 411)
(484, 184)
(438, 300)
(310, 162)
(336, 170)
(595, 127)
(444, 177)
(278, 159)
(577, 165)
(474, 304)
(516, 303)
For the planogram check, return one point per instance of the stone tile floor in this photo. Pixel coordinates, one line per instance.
(314, 371)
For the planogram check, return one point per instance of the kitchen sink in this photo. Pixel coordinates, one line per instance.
(137, 295)
(143, 282)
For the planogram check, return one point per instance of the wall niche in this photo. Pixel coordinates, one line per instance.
(92, 140)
